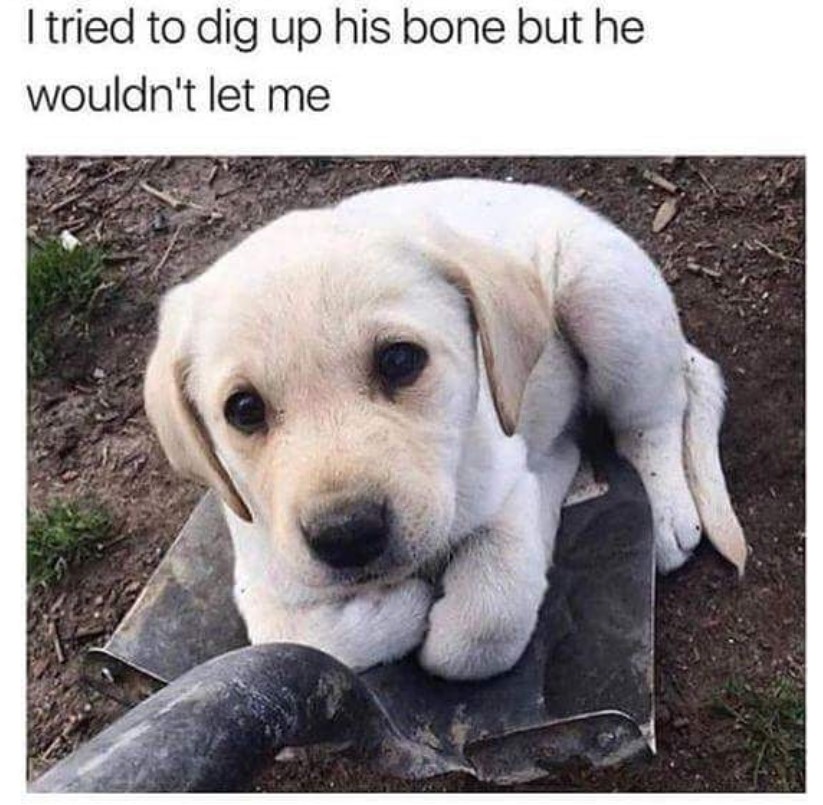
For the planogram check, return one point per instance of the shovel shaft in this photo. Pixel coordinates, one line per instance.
(213, 728)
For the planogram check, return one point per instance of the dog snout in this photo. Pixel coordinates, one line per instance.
(348, 533)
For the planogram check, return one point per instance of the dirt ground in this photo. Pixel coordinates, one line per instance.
(734, 256)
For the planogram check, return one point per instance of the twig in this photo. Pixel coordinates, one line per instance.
(774, 253)
(118, 197)
(133, 409)
(669, 260)
(75, 224)
(228, 191)
(704, 179)
(87, 632)
(58, 645)
(696, 268)
(68, 201)
(103, 286)
(124, 257)
(65, 733)
(166, 253)
(660, 181)
(711, 272)
(51, 747)
(60, 205)
(113, 543)
(173, 202)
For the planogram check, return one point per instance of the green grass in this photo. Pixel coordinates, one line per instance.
(59, 283)
(772, 721)
(64, 534)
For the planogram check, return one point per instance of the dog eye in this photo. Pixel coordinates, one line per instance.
(246, 411)
(400, 364)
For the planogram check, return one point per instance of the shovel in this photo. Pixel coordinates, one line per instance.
(210, 711)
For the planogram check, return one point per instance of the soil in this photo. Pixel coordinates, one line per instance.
(734, 256)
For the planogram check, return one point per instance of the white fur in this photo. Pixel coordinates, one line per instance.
(290, 308)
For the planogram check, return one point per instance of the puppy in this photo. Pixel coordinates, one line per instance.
(388, 384)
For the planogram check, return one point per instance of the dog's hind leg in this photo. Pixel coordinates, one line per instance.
(620, 315)
(656, 453)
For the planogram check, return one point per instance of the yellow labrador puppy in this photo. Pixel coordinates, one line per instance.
(389, 383)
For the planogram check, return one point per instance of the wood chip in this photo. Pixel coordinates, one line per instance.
(696, 268)
(660, 181)
(665, 214)
(86, 632)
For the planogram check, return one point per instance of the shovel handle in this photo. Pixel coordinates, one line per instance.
(214, 727)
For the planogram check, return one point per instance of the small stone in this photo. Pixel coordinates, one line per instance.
(160, 222)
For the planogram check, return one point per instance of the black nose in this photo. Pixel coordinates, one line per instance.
(348, 534)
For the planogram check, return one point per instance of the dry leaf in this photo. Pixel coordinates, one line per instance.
(664, 215)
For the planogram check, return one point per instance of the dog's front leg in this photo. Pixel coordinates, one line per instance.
(492, 590)
(372, 627)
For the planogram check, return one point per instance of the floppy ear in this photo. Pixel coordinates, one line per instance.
(179, 427)
(512, 311)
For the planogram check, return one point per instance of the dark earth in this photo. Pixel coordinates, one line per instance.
(734, 257)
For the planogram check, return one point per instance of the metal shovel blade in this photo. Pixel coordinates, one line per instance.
(582, 691)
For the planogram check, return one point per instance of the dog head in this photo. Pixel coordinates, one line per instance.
(324, 380)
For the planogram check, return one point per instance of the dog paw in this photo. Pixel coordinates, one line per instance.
(657, 455)
(677, 532)
(460, 645)
(382, 625)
